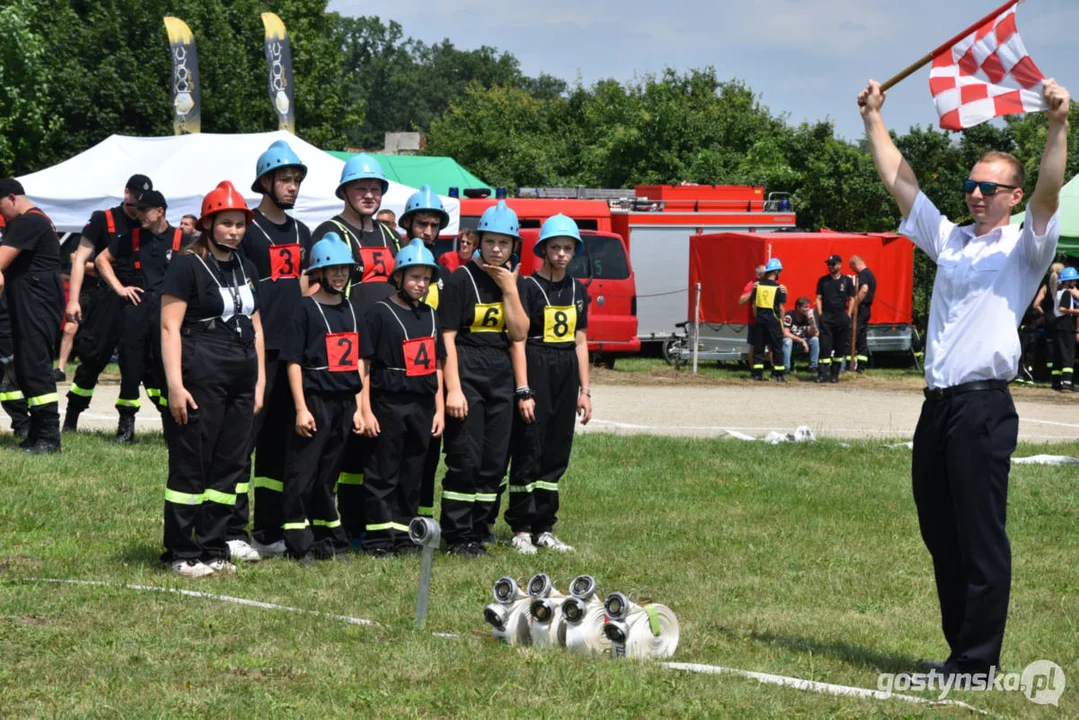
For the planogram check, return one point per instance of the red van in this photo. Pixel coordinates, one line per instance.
(605, 270)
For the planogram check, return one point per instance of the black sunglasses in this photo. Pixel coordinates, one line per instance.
(987, 188)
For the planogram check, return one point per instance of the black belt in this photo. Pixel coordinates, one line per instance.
(976, 386)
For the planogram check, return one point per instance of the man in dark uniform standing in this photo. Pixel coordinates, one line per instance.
(863, 304)
(835, 293)
(11, 397)
(100, 328)
(30, 277)
(133, 267)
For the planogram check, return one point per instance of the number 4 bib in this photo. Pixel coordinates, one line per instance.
(419, 353)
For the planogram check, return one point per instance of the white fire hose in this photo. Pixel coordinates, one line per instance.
(508, 615)
(635, 631)
(545, 612)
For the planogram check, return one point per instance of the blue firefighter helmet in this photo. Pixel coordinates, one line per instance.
(1068, 273)
(415, 254)
(330, 251)
(425, 200)
(278, 155)
(558, 226)
(500, 219)
(361, 167)
(773, 265)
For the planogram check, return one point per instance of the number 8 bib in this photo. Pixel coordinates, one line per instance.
(343, 351)
(559, 323)
(419, 356)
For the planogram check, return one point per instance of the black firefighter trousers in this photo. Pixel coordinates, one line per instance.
(962, 453)
(97, 339)
(271, 432)
(477, 447)
(207, 456)
(541, 449)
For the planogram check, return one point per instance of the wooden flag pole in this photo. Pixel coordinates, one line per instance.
(922, 62)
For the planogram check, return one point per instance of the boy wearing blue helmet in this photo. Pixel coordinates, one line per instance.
(480, 310)
(278, 246)
(768, 297)
(373, 244)
(1065, 310)
(403, 354)
(551, 373)
(322, 356)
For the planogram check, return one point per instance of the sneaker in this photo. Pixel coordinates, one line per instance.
(548, 540)
(221, 565)
(241, 550)
(41, 447)
(522, 543)
(465, 550)
(191, 568)
(274, 549)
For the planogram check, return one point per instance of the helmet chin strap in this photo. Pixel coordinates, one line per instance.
(223, 248)
(414, 304)
(328, 287)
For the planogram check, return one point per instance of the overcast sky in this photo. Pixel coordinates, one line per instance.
(805, 58)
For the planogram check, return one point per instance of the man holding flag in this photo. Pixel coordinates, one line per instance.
(987, 274)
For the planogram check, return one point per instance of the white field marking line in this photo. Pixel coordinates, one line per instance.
(782, 680)
(1049, 422)
(814, 686)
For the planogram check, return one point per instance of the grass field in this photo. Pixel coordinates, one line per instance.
(800, 560)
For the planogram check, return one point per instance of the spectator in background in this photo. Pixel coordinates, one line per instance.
(863, 303)
(467, 242)
(800, 328)
(751, 321)
(187, 225)
(389, 218)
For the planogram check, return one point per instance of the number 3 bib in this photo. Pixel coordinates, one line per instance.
(284, 261)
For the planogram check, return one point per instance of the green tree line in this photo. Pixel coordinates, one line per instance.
(73, 72)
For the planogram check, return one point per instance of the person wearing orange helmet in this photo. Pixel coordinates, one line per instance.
(213, 353)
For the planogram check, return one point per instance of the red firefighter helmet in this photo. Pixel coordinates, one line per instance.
(221, 198)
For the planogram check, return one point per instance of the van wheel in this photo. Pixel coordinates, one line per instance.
(672, 350)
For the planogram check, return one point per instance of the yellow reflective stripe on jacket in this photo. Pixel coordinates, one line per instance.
(121, 402)
(399, 526)
(350, 479)
(296, 525)
(242, 488)
(544, 485)
(182, 498)
(219, 497)
(486, 497)
(153, 393)
(43, 400)
(425, 511)
(163, 401)
(9, 396)
(81, 392)
(269, 484)
(327, 523)
(375, 527)
(459, 497)
(523, 488)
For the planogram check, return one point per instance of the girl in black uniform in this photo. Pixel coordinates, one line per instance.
(478, 308)
(768, 297)
(551, 372)
(322, 354)
(211, 345)
(403, 353)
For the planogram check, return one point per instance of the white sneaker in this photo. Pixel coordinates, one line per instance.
(548, 540)
(220, 565)
(523, 544)
(240, 550)
(191, 568)
(274, 549)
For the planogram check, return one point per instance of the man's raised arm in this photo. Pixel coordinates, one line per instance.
(895, 173)
(1046, 198)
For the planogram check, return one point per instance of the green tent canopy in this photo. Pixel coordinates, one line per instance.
(1069, 218)
(441, 173)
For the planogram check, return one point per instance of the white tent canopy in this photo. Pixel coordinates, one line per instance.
(186, 167)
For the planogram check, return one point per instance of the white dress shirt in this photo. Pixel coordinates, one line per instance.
(982, 288)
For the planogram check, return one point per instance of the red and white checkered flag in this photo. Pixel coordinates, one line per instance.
(984, 75)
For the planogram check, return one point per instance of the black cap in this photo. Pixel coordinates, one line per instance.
(10, 186)
(138, 184)
(833, 259)
(151, 199)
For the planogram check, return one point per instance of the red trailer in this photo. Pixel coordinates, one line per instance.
(724, 262)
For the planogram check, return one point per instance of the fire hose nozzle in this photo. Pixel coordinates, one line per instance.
(505, 590)
(573, 609)
(616, 606)
(496, 616)
(541, 611)
(424, 532)
(583, 587)
(540, 586)
(616, 631)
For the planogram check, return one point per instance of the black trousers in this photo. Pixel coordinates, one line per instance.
(834, 335)
(207, 456)
(962, 455)
(140, 363)
(861, 339)
(1062, 344)
(35, 306)
(97, 339)
(769, 334)
(11, 398)
(541, 449)
(394, 470)
(309, 513)
(350, 485)
(477, 447)
(271, 431)
(427, 484)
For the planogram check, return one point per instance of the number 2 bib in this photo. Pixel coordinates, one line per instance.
(377, 263)
(284, 261)
(488, 317)
(343, 350)
(559, 323)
